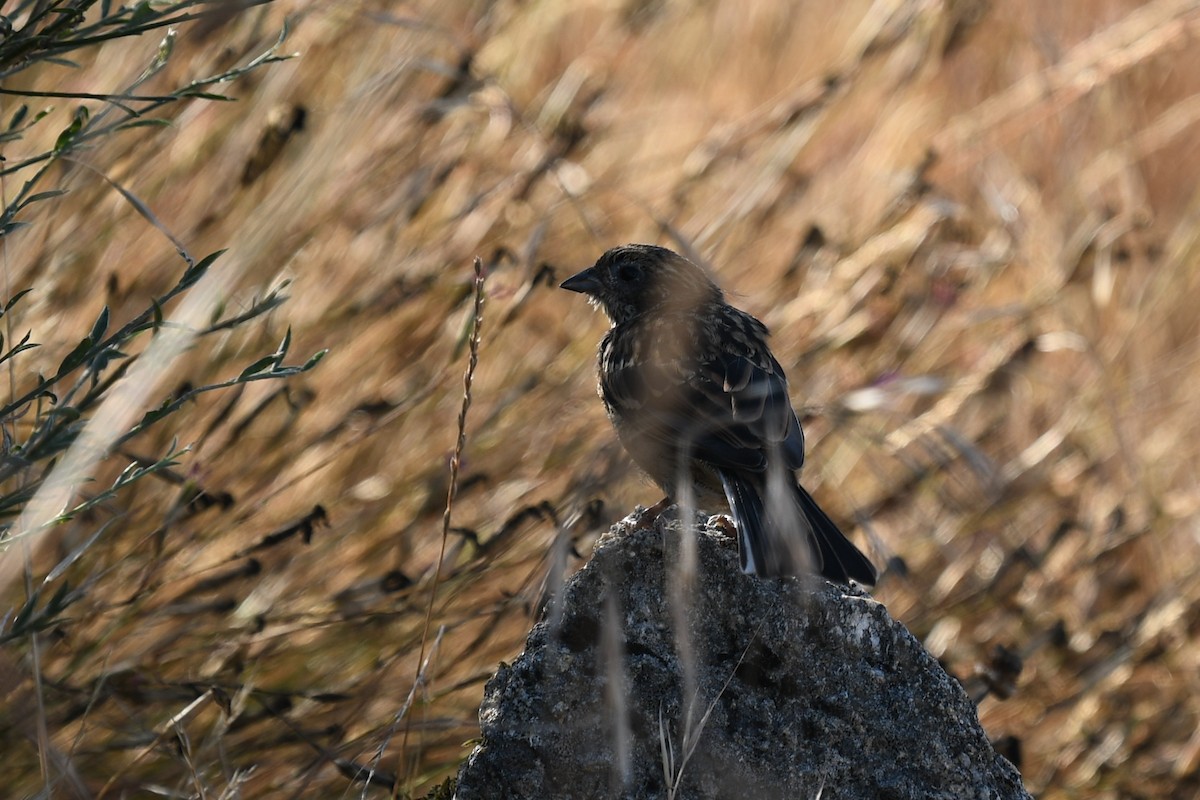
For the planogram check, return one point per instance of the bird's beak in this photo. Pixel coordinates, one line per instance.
(584, 282)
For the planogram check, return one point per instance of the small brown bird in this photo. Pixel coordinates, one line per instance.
(696, 396)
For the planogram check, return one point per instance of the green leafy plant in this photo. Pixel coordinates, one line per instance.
(41, 423)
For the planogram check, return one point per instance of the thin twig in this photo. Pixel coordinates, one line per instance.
(455, 464)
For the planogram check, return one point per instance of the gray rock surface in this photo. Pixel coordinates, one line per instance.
(797, 689)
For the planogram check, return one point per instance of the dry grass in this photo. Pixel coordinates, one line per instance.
(972, 229)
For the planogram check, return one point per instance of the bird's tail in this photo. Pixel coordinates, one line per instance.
(789, 533)
(840, 559)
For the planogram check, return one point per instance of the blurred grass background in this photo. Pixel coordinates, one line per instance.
(972, 228)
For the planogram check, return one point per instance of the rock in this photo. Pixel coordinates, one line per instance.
(785, 689)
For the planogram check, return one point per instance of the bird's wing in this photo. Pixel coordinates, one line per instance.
(745, 388)
(715, 387)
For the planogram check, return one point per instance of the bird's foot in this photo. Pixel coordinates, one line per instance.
(645, 519)
(724, 524)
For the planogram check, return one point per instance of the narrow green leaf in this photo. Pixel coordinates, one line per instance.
(18, 117)
(165, 48)
(106, 357)
(155, 414)
(126, 475)
(20, 347)
(144, 123)
(312, 362)
(142, 14)
(205, 95)
(26, 612)
(283, 347)
(61, 599)
(75, 357)
(100, 327)
(197, 270)
(68, 135)
(67, 414)
(257, 367)
(35, 198)
(15, 298)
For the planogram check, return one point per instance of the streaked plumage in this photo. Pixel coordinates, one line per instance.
(695, 395)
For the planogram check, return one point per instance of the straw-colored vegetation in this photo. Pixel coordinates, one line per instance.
(972, 228)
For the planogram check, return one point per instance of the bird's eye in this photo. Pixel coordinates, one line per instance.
(627, 272)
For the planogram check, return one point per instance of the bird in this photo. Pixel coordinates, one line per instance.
(699, 401)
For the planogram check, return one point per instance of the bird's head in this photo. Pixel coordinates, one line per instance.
(636, 279)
